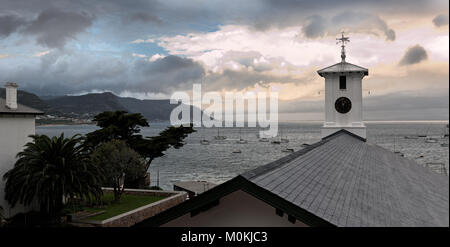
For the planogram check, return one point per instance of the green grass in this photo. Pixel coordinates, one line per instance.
(127, 203)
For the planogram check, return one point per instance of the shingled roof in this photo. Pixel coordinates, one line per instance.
(343, 67)
(340, 181)
(21, 109)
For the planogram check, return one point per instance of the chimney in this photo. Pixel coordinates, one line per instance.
(11, 95)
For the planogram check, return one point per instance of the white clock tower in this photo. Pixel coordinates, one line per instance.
(343, 96)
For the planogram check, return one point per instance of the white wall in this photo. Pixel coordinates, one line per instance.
(235, 209)
(351, 121)
(14, 132)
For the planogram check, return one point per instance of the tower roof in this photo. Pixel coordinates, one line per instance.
(342, 67)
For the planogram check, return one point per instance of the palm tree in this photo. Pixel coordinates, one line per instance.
(49, 170)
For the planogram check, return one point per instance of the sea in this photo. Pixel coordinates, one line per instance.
(218, 161)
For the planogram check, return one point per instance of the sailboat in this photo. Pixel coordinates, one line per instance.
(241, 141)
(445, 132)
(218, 136)
(263, 139)
(431, 140)
(283, 140)
(275, 142)
(204, 142)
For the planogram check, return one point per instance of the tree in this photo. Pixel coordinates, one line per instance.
(118, 125)
(127, 126)
(49, 170)
(118, 164)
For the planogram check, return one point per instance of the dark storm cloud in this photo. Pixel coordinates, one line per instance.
(241, 79)
(85, 72)
(54, 27)
(314, 27)
(317, 26)
(414, 55)
(440, 20)
(163, 75)
(142, 17)
(130, 20)
(9, 23)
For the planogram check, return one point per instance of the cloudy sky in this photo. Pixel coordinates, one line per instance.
(150, 48)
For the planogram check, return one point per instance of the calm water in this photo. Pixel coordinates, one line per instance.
(217, 163)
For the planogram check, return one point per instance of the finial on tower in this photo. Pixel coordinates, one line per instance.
(343, 40)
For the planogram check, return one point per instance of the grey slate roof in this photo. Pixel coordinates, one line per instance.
(349, 182)
(21, 109)
(339, 181)
(343, 67)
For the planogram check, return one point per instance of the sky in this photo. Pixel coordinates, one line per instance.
(150, 49)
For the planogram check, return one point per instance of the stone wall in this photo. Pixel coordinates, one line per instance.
(139, 214)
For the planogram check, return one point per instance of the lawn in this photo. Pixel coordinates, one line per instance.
(127, 203)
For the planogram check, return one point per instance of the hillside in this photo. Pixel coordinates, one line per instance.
(151, 109)
(88, 105)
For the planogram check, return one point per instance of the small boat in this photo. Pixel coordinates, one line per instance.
(304, 145)
(431, 140)
(241, 141)
(204, 142)
(288, 150)
(275, 142)
(419, 157)
(411, 137)
(219, 137)
(422, 136)
(445, 145)
(283, 140)
(263, 140)
(237, 151)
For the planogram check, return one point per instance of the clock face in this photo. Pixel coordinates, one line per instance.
(343, 105)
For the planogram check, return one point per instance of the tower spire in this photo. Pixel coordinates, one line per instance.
(343, 40)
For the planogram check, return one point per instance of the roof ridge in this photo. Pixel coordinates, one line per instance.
(344, 131)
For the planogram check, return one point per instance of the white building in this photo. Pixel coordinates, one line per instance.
(343, 96)
(17, 122)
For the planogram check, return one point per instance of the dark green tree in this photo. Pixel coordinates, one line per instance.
(119, 164)
(50, 170)
(118, 125)
(127, 126)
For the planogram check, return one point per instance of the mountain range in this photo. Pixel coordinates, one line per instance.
(89, 105)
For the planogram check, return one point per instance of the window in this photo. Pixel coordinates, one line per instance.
(342, 82)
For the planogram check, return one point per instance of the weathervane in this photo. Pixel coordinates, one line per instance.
(343, 40)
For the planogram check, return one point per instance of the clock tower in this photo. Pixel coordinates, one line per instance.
(343, 96)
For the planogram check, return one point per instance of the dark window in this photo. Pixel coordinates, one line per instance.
(342, 82)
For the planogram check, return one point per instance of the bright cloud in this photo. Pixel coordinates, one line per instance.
(40, 54)
(155, 57)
